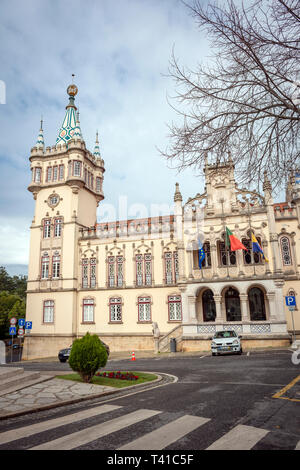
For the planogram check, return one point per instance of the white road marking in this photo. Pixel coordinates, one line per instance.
(27, 431)
(92, 433)
(239, 438)
(167, 434)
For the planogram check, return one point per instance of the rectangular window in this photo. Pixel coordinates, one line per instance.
(92, 181)
(111, 271)
(88, 311)
(85, 176)
(98, 184)
(119, 271)
(85, 278)
(174, 306)
(55, 173)
(148, 270)
(176, 266)
(55, 266)
(139, 270)
(168, 268)
(45, 266)
(57, 227)
(144, 309)
(93, 263)
(37, 175)
(48, 311)
(61, 172)
(115, 309)
(49, 174)
(77, 168)
(47, 228)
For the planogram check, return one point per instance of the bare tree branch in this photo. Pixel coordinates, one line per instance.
(247, 102)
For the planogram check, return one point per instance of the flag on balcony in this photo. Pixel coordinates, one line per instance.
(201, 253)
(232, 242)
(256, 248)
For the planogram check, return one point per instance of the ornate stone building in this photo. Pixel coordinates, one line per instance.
(137, 283)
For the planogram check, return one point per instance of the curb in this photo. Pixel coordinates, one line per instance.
(90, 397)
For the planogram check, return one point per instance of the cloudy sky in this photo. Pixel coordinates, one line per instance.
(119, 52)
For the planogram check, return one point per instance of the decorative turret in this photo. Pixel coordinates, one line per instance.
(267, 187)
(177, 195)
(40, 144)
(69, 125)
(97, 148)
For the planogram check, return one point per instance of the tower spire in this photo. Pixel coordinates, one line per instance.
(77, 132)
(97, 148)
(40, 143)
(69, 124)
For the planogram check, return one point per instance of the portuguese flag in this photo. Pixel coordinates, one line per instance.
(232, 242)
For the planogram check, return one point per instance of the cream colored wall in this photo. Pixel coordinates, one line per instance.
(63, 312)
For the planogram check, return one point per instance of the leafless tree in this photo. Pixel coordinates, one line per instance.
(247, 101)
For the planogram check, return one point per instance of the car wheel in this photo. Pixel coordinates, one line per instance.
(63, 360)
(213, 354)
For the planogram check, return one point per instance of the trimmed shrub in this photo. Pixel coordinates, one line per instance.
(87, 355)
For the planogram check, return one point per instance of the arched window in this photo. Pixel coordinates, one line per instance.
(226, 257)
(206, 263)
(208, 305)
(286, 251)
(233, 306)
(249, 256)
(257, 304)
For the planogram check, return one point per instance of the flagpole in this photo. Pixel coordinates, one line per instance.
(224, 227)
(249, 220)
(198, 235)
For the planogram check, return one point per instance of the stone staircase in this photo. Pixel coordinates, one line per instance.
(15, 378)
(164, 341)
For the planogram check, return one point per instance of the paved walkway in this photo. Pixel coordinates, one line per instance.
(46, 394)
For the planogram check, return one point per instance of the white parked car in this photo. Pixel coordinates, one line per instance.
(226, 341)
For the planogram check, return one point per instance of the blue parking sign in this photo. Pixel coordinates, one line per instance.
(290, 301)
(28, 325)
(21, 322)
(12, 330)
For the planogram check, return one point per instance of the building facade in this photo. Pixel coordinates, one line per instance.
(138, 283)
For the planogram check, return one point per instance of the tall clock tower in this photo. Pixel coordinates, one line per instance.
(66, 185)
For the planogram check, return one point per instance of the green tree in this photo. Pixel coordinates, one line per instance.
(87, 355)
(10, 306)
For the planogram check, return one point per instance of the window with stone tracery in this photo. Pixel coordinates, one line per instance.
(249, 256)
(143, 270)
(93, 263)
(171, 267)
(89, 273)
(85, 275)
(226, 257)
(115, 271)
(286, 251)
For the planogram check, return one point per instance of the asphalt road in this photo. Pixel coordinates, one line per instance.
(217, 401)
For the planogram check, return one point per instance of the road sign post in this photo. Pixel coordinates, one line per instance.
(290, 301)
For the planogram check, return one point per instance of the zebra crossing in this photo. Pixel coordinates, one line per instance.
(240, 437)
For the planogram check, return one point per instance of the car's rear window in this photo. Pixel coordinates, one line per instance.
(225, 334)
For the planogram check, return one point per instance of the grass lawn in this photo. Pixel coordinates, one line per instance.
(143, 377)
